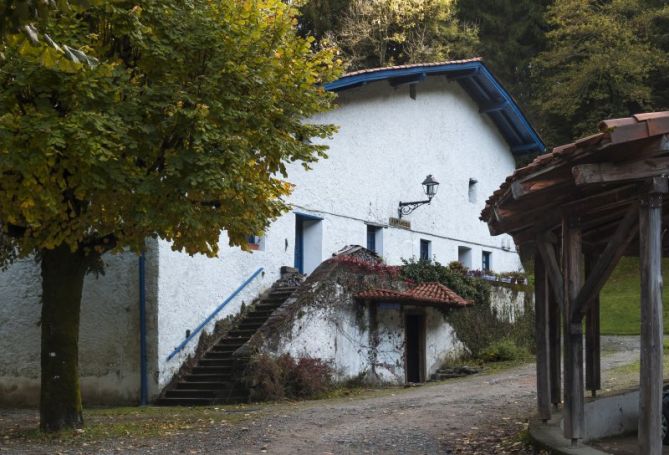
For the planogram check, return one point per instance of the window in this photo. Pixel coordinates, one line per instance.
(425, 250)
(256, 243)
(472, 190)
(485, 261)
(465, 256)
(375, 239)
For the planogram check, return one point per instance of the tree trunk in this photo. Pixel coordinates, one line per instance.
(62, 281)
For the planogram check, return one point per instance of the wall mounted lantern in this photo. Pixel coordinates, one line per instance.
(430, 186)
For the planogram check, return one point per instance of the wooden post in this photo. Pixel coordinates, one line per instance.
(541, 324)
(555, 349)
(650, 258)
(574, 412)
(593, 376)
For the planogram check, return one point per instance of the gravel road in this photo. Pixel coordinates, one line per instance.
(470, 415)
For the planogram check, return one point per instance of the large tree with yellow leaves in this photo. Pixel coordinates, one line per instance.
(129, 119)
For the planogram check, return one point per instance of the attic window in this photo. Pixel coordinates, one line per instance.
(473, 183)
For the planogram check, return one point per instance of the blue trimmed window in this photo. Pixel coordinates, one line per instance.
(425, 250)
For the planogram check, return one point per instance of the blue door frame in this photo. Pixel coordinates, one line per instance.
(300, 218)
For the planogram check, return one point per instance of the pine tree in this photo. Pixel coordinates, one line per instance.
(511, 34)
(599, 63)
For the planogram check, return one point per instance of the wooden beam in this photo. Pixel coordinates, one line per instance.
(522, 188)
(585, 174)
(544, 212)
(650, 391)
(608, 260)
(593, 368)
(466, 75)
(555, 349)
(574, 406)
(542, 342)
(404, 80)
(547, 253)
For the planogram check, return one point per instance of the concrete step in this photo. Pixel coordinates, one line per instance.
(209, 362)
(208, 377)
(219, 370)
(204, 385)
(223, 355)
(192, 393)
(240, 333)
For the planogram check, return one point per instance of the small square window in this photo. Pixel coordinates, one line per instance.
(465, 256)
(486, 261)
(473, 183)
(256, 243)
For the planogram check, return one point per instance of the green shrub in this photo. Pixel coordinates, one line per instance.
(479, 326)
(502, 351)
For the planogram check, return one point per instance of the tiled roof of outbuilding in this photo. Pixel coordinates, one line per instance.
(425, 293)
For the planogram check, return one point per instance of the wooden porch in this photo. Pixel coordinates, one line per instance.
(579, 209)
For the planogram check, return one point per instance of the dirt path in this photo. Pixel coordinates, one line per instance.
(446, 417)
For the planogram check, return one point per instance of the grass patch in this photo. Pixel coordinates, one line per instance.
(136, 423)
(620, 312)
(626, 376)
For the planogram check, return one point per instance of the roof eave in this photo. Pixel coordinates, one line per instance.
(479, 83)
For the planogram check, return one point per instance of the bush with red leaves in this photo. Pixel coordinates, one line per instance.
(286, 377)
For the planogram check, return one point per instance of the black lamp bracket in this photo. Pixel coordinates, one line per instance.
(406, 208)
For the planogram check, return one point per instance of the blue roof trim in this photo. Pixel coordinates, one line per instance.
(479, 82)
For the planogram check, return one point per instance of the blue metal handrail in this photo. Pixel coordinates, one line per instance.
(214, 313)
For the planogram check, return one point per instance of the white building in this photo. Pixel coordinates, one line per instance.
(452, 120)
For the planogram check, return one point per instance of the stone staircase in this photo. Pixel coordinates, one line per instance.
(215, 379)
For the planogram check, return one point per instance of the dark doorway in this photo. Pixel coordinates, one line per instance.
(415, 347)
(299, 243)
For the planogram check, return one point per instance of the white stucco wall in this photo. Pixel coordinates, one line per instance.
(108, 336)
(386, 145)
(508, 302)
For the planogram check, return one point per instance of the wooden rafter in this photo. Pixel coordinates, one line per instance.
(547, 252)
(586, 174)
(608, 260)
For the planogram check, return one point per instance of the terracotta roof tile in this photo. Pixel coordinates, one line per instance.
(434, 293)
(415, 65)
(612, 131)
(379, 294)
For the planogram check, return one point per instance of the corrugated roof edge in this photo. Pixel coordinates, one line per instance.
(475, 65)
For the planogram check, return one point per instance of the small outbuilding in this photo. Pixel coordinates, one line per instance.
(360, 316)
(581, 208)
